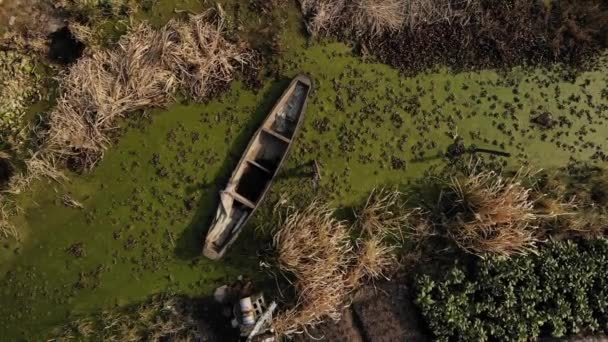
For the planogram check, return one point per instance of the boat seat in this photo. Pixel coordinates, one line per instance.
(276, 135)
(256, 164)
(242, 200)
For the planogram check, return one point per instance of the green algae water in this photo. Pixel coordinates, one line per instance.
(146, 207)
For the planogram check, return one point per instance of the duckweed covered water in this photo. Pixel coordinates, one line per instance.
(148, 204)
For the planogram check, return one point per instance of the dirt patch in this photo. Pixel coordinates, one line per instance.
(28, 16)
(345, 330)
(381, 313)
(387, 313)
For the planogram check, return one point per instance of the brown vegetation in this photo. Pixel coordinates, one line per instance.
(144, 70)
(325, 262)
(7, 229)
(316, 249)
(418, 34)
(491, 214)
(481, 212)
(378, 17)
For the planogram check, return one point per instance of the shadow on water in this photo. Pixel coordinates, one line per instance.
(189, 244)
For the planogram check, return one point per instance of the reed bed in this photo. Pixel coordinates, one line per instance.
(376, 17)
(144, 70)
(384, 214)
(316, 249)
(328, 263)
(492, 214)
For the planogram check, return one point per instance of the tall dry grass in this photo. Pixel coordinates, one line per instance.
(492, 214)
(426, 12)
(36, 166)
(144, 70)
(375, 17)
(316, 249)
(327, 262)
(378, 16)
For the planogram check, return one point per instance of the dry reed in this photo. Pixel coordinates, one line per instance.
(144, 70)
(375, 17)
(7, 228)
(316, 249)
(327, 264)
(36, 167)
(494, 214)
(384, 214)
(427, 12)
(323, 14)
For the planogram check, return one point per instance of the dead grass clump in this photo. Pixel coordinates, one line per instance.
(587, 224)
(383, 213)
(327, 263)
(375, 17)
(316, 249)
(324, 14)
(36, 167)
(374, 258)
(199, 56)
(492, 214)
(591, 224)
(107, 85)
(428, 12)
(144, 70)
(378, 16)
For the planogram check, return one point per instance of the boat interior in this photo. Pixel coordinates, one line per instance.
(268, 148)
(260, 163)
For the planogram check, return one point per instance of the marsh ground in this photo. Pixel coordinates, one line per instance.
(147, 205)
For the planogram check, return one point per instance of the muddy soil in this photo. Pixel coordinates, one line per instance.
(36, 16)
(345, 330)
(381, 313)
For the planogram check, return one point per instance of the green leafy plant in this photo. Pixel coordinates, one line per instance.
(561, 291)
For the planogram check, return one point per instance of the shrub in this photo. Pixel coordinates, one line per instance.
(561, 291)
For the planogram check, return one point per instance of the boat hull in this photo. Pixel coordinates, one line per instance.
(258, 167)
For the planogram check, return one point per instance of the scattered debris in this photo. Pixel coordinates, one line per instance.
(68, 201)
(76, 250)
(544, 120)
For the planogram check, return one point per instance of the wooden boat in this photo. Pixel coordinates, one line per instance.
(257, 168)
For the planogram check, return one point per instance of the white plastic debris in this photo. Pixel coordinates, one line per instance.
(220, 293)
